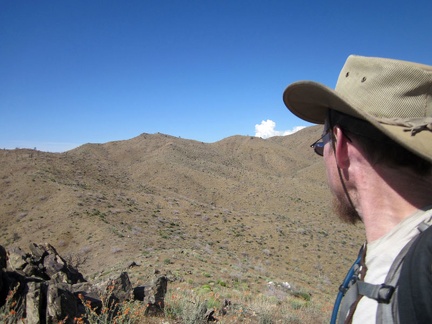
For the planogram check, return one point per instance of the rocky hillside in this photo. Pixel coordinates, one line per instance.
(243, 210)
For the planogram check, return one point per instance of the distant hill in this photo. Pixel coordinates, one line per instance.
(244, 209)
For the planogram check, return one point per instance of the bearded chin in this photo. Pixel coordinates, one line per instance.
(345, 211)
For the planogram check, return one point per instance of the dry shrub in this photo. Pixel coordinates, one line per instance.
(184, 305)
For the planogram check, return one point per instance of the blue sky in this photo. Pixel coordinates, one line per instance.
(86, 71)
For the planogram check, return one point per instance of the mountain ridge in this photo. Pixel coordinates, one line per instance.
(243, 209)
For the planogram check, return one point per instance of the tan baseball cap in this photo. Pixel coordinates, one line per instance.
(394, 96)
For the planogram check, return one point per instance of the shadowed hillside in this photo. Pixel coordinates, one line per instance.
(243, 210)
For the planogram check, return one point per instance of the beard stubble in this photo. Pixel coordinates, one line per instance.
(345, 211)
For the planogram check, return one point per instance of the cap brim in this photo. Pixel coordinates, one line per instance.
(311, 101)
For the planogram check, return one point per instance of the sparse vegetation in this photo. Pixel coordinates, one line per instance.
(235, 213)
(13, 310)
(189, 306)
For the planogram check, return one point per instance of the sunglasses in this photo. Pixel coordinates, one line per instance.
(318, 145)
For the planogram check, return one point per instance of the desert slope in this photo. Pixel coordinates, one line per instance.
(242, 210)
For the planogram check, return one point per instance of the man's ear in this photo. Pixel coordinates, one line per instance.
(341, 148)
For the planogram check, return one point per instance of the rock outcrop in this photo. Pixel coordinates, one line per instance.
(41, 287)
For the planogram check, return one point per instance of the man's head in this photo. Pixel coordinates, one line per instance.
(382, 106)
(393, 97)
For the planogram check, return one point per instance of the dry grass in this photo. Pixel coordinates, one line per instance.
(185, 305)
(242, 306)
(13, 310)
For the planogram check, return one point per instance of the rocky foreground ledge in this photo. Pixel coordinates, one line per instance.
(41, 287)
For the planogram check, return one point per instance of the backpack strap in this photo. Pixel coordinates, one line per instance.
(385, 294)
(388, 307)
(415, 284)
(381, 293)
(348, 291)
(348, 300)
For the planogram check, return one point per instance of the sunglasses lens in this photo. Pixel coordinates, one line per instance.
(319, 148)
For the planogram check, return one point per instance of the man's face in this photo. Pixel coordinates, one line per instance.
(341, 204)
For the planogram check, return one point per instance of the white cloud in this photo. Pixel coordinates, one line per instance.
(267, 129)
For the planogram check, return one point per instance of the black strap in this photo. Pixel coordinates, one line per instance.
(415, 284)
